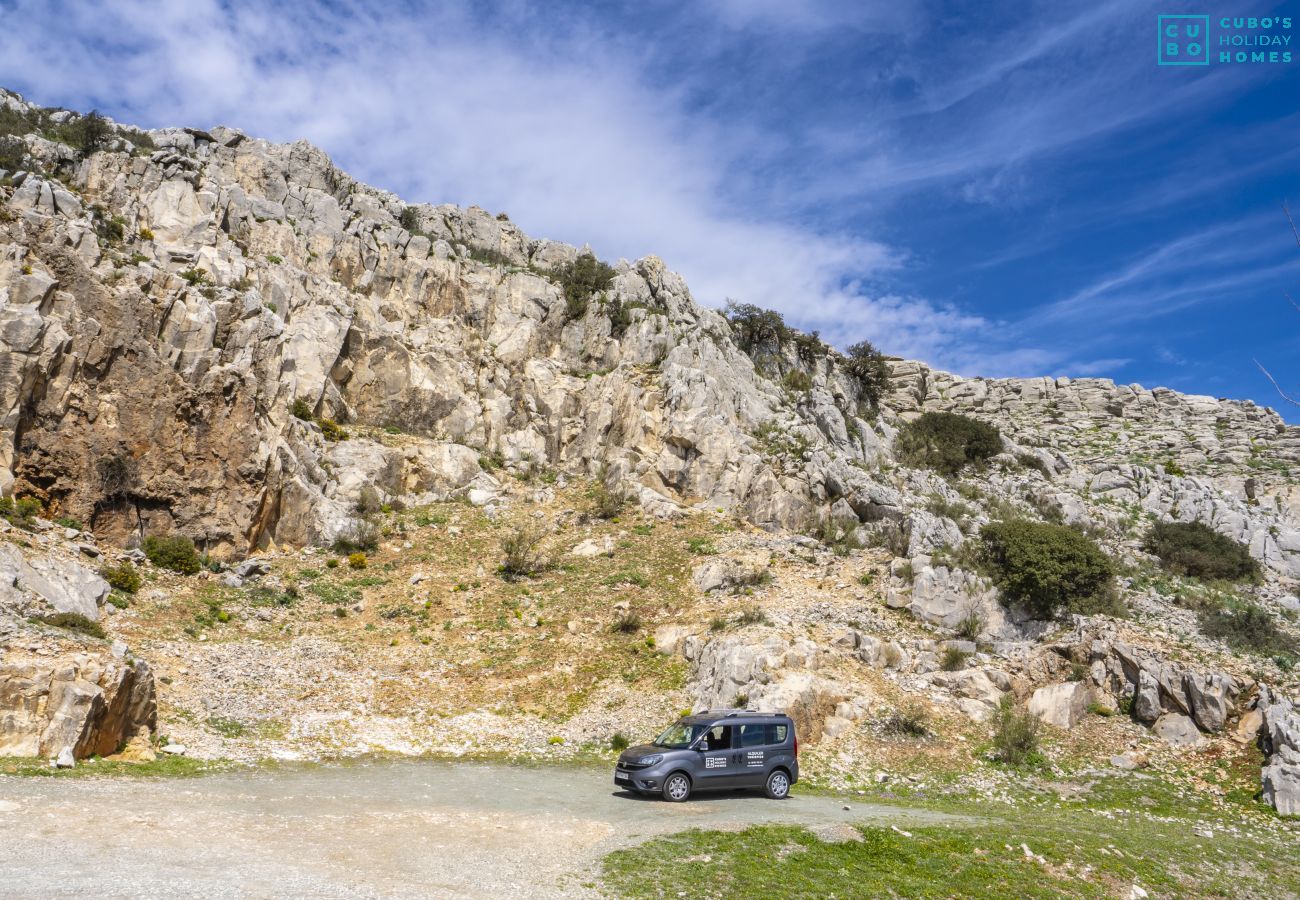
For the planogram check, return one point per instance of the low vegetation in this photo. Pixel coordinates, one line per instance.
(1247, 628)
(20, 513)
(1048, 568)
(1196, 550)
(124, 577)
(521, 551)
(580, 280)
(175, 552)
(75, 622)
(946, 442)
(1015, 733)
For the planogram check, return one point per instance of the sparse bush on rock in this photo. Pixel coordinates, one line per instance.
(124, 577)
(1197, 550)
(580, 279)
(867, 366)
(521, 549)
(75, 622)
(1015, 733)
(946, 442)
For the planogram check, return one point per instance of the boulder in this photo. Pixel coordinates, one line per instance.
(1177, 730)
(594, 547)
(728, 574)
(1280, 777)
(64, 584)
(1211, 696)
(1061, 705)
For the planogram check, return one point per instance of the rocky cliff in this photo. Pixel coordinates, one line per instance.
(208, 334)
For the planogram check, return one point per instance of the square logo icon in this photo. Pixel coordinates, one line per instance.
(1182, 40)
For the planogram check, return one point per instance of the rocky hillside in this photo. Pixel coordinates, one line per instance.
(208, 335)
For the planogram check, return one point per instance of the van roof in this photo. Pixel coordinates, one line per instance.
(715, 714)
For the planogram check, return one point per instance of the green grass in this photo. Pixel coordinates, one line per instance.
(1119, 831)
(164, 766)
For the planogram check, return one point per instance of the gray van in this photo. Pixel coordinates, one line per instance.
(721, 749)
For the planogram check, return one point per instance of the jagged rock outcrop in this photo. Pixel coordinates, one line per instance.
(1280, 737)
(86, 701)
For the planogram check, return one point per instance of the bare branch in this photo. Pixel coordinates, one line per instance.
(1281, 393)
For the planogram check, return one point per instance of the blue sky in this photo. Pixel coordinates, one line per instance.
(995, 188)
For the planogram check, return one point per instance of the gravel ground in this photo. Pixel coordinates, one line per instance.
(388, 829)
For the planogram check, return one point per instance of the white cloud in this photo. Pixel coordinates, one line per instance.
(565, 135)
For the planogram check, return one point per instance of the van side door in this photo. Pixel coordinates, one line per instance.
(755, 754)
(719, 763)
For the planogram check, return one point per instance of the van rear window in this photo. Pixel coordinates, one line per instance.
(776, 733)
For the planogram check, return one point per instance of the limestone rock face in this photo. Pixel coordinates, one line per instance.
(1281, 774)
(63, 585)
(87, 701)
(1061, 705)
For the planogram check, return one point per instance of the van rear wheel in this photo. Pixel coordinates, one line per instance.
(778, 785)
(677, 787)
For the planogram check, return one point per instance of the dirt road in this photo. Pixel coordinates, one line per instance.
(384, 829)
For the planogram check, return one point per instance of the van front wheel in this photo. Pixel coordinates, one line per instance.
(778, 785)
(677, 788)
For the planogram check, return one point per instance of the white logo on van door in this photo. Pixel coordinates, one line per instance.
(715, 762)
(754, 758)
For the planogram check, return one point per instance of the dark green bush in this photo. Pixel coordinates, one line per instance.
(91, 132)
(797, 382)
(754, 328)
(580, 279)
(13, 154)
(175, 552)
(946, 442)
(1195, 549)
(868, 367)
(301, 409)
(124, 577)
(1048, 568)
(1247, 628)
(409, 219)
(75, 622)
(618, 742)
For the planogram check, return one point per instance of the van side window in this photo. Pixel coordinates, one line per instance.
(754, 735)
(776, 733)
(718, 738)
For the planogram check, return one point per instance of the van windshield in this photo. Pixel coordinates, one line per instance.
(680, 736)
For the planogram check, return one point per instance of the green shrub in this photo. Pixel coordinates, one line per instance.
(21, 512)
(701, 546)
(946, 442)
(953, 659)
(360, 535)
(301, 409)
(1048, 568)
(797, 382)
(369, 501)
(1196, 550)
(409, 219)
(605, 503)
(273, 259)
(755, 329)
(91, 132)
(628, 623)
(70, 522)
(1015, 733)
(13, 154)
(971, 625)
(618, 742)
(868, 368)
(357, 560)
(74, 622)
(521, 549)
(331, 430)
(911, 721)
(175, 552)
(1247, 628)
(580, 279)
(125, 577)
(752, 615)
(1172, 468)
(194, 276)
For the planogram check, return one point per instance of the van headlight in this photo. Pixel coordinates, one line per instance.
(651, 760)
